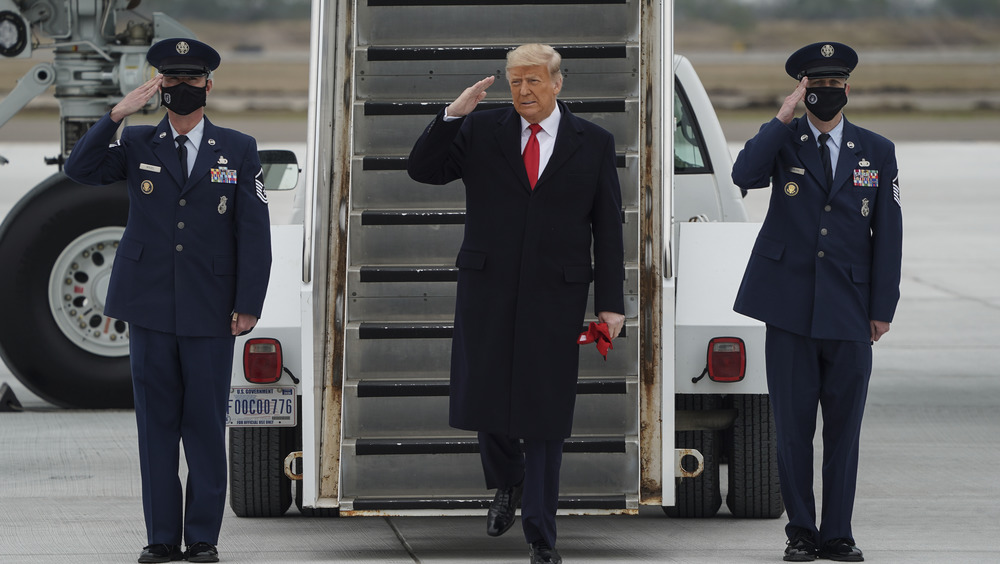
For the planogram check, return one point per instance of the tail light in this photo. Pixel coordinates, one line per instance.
(727, 359)
(262, 361)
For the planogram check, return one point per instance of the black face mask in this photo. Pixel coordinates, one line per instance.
(825, 102)
(184, 98)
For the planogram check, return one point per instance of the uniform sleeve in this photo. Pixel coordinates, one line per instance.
(887, 244)
(253, 235)
(755, 163)
(437, 156)
(609, 251)
(97, 160)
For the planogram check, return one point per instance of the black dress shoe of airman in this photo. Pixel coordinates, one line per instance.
(202, 552)
(161, 553)
(841, 550)
(501, 515)
(801, 548)
(541, 553)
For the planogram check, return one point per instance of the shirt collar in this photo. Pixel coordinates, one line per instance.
(549, 125)
(836, 134)
(194, 136)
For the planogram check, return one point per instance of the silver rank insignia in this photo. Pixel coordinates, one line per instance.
(146, 186)
(223, 160)
(864, 207)
(223, 200)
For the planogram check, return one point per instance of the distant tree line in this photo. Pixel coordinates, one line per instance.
(743, 14)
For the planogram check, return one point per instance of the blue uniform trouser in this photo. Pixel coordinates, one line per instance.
(505, 464)
(181, 388)
(802, 374)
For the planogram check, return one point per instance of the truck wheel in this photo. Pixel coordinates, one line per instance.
(57, 246)
(258, 486)
(754, 489)
(700, 496)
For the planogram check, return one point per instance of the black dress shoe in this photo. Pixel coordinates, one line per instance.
(202, 552)
(161, 553)
(541, 553)
(501, 515)
(841, 550)
(801, 548)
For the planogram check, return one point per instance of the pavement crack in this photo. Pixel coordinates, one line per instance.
(402, 540)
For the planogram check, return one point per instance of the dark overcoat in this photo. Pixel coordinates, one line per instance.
(525, 265)
(826, 261)
(192, 252)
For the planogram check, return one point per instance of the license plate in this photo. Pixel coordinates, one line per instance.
(261, 406)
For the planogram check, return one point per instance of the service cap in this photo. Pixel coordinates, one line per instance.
(180, 56)
(826, 59)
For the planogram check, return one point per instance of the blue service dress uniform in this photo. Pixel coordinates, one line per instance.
(825, 263)
(193, 253)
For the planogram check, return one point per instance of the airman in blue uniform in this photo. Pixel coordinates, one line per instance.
(190, 273)
(824, 278)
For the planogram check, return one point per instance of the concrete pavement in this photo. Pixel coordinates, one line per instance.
(928, 488)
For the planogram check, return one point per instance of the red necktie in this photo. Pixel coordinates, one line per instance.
(531, 155)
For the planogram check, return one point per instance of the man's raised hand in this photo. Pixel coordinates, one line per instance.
(469, 98)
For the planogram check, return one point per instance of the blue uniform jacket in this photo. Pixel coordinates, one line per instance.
(191, 254)
(825, 262)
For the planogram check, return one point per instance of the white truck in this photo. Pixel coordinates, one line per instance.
(339, 397)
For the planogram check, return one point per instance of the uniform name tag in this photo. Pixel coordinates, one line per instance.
(797, 170)
(224, 175)
(149, 167)
(866, 178)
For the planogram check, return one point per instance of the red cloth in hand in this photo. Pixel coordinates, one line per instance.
(597, 333)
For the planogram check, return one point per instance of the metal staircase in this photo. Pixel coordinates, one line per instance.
(411, 58)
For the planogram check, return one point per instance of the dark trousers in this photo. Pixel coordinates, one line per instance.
(802, 374)
(181, 388)
(505, 464)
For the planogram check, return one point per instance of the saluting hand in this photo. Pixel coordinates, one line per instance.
(469, 98)
(614, 320)
(242, 322)
(787, 111)
(136, 99)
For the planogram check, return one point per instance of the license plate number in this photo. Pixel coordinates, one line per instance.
(261, 406)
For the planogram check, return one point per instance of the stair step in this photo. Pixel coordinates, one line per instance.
(466, 445)
(569, 502)
(432, 388)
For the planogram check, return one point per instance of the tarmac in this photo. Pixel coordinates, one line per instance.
(930, 453)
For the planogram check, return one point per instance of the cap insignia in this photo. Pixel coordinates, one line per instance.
(183, 47)
(826, 50)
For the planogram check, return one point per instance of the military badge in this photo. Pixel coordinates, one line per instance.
(864, 207)
(163, 134)
(865, 178)
(211, 142)
(850, 144)
(223, 175)
(791, 189)
(804, 138)
(864, 163)
(182, 47)
(223, 160)
(222, 204)
(259, 181)
(146, 186)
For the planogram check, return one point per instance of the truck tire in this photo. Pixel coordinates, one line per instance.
(700, 496)
(754, 488)
(258, 486)
(57, 246)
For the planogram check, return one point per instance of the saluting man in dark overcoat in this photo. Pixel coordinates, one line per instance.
(824, 276)
(542, 194)
(189, 274)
